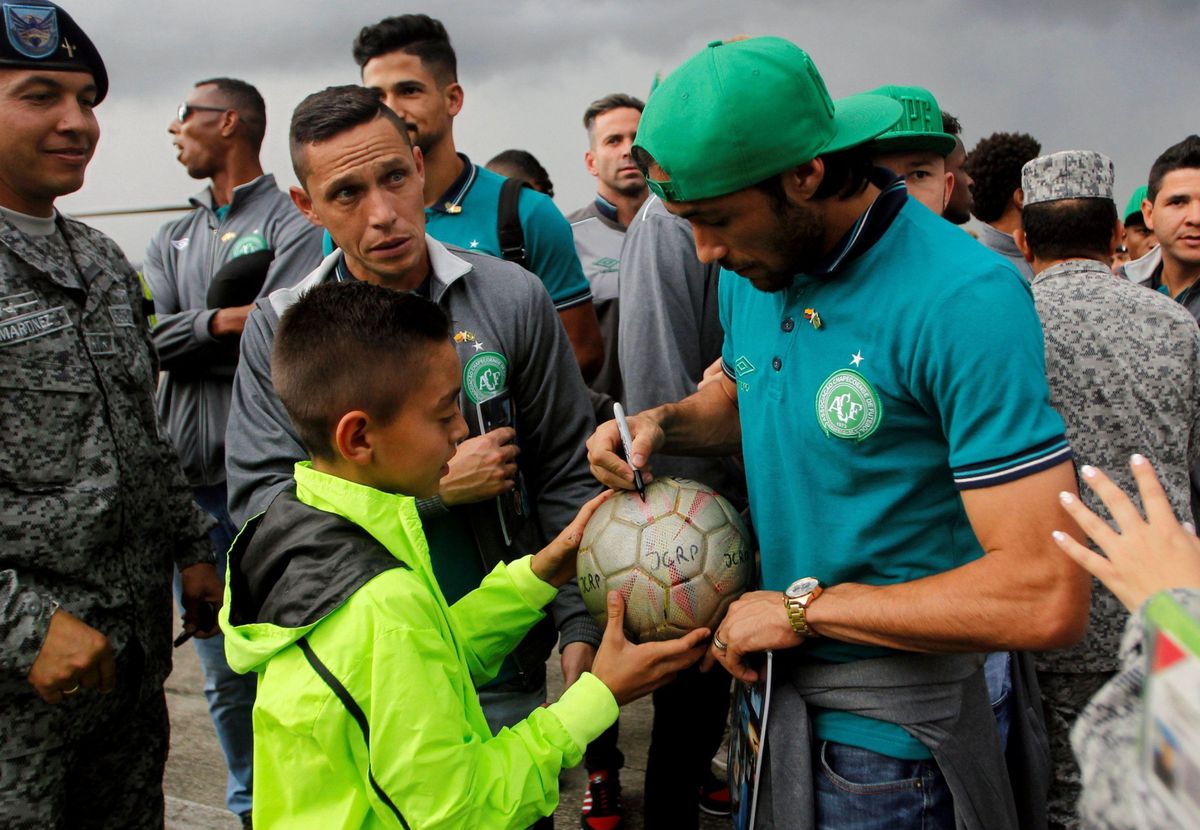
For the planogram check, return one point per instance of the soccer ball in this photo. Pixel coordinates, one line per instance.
(679, 559)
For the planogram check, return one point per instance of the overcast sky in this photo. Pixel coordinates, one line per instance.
(1118, 77)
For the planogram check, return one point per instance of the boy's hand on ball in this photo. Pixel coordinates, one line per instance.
(633, 671)
(555, 563)
(605, 451)
(756, 622)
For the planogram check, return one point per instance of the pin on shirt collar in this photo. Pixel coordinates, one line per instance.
(811, 315)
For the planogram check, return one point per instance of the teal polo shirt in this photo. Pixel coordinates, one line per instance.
(466, 214)
(925, 377)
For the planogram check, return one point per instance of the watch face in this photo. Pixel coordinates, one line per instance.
(803, 586)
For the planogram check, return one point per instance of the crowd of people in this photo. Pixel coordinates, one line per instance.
(360, 426)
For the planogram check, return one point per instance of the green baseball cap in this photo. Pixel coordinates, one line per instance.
(740, 112)
(1135, 203)
(920, 124)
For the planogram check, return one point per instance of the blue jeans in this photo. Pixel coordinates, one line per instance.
(230, 695)
(857, 789)
(997, 671)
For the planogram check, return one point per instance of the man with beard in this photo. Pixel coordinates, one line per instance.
(243, 238)
(887, 451)
(410, 61)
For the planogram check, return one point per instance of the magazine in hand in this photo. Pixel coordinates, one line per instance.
(1170, 761)
(747, 742)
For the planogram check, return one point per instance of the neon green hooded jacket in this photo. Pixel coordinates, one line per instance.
(366, 715)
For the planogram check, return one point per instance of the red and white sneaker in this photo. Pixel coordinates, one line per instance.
(715, 798)
(602, 802)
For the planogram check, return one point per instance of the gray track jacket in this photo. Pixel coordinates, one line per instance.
(495, 307)
(193, 396)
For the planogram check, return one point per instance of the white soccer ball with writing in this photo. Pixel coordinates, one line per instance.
(679, 559)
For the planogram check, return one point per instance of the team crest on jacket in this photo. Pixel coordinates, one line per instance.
(249, 244)
(848, 406)
(485, 376)
(32, 30)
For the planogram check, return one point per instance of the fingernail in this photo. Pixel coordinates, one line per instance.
(1088, 471)
(1137, 459)
(1067, 498)
(1059, 536)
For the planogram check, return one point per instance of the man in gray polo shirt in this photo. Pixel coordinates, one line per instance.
(522, 391)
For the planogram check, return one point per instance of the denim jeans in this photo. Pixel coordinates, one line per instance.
(230, 695)
(997, 671)
(857, 789)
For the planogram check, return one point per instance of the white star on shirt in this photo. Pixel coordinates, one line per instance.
(474, 243)
(478, 346)
(856, 358)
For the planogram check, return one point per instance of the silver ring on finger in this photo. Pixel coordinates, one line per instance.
(70, 691)
(719, 644)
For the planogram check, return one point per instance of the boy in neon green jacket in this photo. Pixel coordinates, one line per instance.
(366, 713)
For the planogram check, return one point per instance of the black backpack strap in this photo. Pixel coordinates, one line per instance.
(356, 712)
(508, 222)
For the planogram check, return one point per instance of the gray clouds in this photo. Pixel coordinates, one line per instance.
(1097, 74)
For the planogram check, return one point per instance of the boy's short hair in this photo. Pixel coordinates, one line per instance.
(414, 34)
(1182, 156)
(347, 346)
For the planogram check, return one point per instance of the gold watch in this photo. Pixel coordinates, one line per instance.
(796, 599)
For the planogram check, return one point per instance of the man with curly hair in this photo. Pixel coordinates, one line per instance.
(958, 207)
(995, 166)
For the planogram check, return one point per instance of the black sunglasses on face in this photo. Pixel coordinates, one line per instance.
(185, 110)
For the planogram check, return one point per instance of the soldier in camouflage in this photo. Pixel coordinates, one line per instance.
(1124, 371)
(94, 508)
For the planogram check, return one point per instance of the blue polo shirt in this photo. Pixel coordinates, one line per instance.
(926, 376)
(466, 214)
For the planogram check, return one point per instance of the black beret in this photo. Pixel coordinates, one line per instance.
(40, 35)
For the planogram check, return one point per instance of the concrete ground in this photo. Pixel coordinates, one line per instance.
(195, 777)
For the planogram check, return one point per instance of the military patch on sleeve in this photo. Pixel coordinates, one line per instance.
(485, 376)
(848, 406)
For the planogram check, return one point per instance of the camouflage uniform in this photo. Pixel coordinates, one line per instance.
(1124, 371)
(1106, 739)
(94, 510)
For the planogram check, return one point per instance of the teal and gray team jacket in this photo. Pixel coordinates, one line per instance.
(183, 257)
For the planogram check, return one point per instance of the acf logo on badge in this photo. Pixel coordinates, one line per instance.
(485, 376)
(847, 406)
